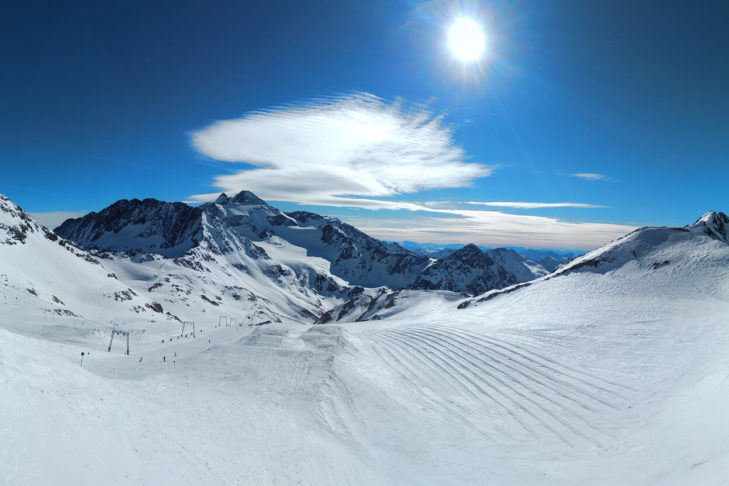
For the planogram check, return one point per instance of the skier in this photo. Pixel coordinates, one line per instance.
(164, 359)
(140, 359)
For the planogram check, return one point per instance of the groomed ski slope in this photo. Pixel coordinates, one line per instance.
(615, 378)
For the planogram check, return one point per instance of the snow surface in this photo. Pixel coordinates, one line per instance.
(615, 371)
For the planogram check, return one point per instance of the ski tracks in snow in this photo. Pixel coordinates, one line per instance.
(485, 381)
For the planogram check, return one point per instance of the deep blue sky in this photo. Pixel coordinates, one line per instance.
(99, 98)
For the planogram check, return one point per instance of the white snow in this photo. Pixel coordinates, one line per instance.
(609, 374)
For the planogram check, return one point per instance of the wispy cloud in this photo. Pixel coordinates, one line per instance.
(591, 177)
(360, 151)
(492, 228)
(337, 151)
(532, 205)
(443, 222)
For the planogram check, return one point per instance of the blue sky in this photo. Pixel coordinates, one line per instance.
(359, 110)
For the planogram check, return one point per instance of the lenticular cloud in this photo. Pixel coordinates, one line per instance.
(327, 149)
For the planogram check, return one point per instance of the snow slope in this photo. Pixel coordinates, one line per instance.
(46, 278)
(615, 371)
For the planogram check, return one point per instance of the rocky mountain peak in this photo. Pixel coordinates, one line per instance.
(15, 224)
(245, 198)
(466, 270)
(168, 228)
(468, 251)
(714, 224)
(248, 198)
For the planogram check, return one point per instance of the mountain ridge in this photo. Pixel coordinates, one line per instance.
(644, 251)
(243, 221)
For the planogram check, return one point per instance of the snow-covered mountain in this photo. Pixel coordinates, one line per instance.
(549, 259)
(654, 248)
(472, 269)
(169, 229)
(221, 257)
(649, 253)
(523, 268)
(43, 276)
(467, 270)
(209, 273)
(234, 224)
(243, 230)
(714, 224)
(354, 256)
(612, 370)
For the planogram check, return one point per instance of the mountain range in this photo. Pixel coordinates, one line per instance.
(236, 250)
(324, 356)
(240, 256)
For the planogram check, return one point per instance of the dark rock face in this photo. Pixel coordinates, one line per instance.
(20, 224)
(716, 225)
(466, 270)
(147, 225)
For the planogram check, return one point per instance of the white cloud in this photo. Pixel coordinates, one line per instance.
(54, 219)
(591, 177)
(533, 205)
(337, 151)
(492, 228)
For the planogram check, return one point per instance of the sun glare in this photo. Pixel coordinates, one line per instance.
(466, 39)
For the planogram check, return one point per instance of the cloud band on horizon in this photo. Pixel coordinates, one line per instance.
(532, 205)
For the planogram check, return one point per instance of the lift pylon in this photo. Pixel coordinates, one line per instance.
(188, 323)
(121, 333)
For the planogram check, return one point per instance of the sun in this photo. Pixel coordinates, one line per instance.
(466, 39)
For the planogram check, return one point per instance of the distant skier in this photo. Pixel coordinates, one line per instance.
(164, 359)
(140, 359)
